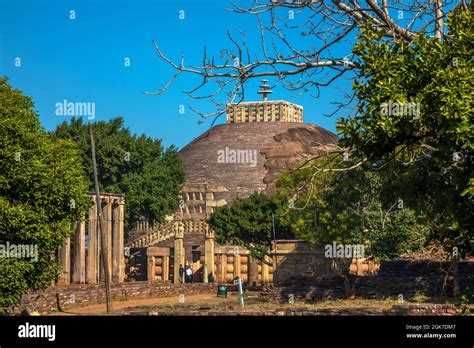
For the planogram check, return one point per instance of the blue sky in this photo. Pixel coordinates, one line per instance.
(82, 60)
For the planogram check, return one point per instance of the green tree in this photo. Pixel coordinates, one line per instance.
(42, 193)
(357, 207)
(430, 82)
(137, 166)
(248, 222)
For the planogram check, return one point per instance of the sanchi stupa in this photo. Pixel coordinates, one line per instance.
(259, 141)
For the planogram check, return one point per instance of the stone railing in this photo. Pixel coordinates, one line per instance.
(197, 203)
(168, 230)
(195, 226)
(143, 226)
(264, 111)
(53, 299)
(154, 236)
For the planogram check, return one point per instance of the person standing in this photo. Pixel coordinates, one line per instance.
(189, 274)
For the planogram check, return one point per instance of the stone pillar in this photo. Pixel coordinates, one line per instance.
(166, 268)
(64, 277)
(179, 252)
(118, 263)
(93, 247)
(275, 268)
(223, 270)
(150, 268)
(218, 268)
(209, 261)
(265, 270)
(237, 263)
(107, 234)
(79, 271)
(253, 271)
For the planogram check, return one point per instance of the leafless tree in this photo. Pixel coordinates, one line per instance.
(300, 45)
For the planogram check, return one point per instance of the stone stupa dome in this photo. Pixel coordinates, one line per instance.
(259, 142)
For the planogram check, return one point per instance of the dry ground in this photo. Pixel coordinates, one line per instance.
(209, 302)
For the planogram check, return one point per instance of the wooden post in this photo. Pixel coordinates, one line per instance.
(108, 298)
(107, 231)
(92, 270)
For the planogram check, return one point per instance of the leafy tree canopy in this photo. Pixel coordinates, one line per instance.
(137, 166)
(365, 207)
(430, 83)
(361, 207)
(42, 193)
(248, 222)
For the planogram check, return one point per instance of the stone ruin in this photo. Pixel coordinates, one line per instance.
(83, 264)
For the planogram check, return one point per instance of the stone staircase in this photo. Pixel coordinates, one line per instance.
(153, 236)
(160, 233)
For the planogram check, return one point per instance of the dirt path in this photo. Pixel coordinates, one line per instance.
(100, 308)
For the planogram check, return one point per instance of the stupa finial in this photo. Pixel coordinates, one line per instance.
(265, 90)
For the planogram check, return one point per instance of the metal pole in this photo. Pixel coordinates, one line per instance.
(239, 282)
(108, 298)
(241, 293)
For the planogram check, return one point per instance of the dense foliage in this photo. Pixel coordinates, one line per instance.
(360, 207)
(248, 222)
(137, 166)
(42, 192)
(436, 77)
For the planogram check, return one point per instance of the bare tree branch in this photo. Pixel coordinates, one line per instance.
(305, 65)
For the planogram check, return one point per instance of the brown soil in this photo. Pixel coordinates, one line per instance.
(100, 308)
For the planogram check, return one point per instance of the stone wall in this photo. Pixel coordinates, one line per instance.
(85, 294)
(401, 309)
(395, 277)
(297, 258)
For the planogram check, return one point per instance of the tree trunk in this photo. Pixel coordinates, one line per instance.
(350, 282)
